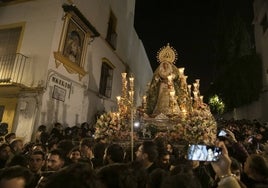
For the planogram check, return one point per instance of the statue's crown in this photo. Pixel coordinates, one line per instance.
(167, 54)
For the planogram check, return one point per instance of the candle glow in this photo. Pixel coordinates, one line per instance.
(181, 71)
(124, 75)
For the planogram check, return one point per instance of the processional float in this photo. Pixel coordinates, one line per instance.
(171, 108)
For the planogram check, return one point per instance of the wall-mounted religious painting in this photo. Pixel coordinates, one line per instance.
(74, 43)
(75, 37)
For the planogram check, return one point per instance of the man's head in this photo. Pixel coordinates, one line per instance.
(147, 152)
(114, 153)
(256, 167)
(16, 145)
(9, 137)
(55, 160)
(42, 128)
(164, 160)
(5, 151)
(15, 176)
(36, 161)
(58, 125)
(86, 147)
(75, 154)
(80, 175)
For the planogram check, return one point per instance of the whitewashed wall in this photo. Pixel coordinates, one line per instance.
(41, 37)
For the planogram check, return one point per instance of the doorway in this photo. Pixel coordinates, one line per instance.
(7, 111)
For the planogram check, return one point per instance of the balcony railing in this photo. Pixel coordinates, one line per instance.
(12, 68)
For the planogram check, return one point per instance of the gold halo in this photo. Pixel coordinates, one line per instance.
(167, 54)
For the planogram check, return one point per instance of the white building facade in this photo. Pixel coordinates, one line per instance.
(62, 62)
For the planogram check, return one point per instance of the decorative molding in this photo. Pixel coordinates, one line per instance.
(74, 11)
(69, 65)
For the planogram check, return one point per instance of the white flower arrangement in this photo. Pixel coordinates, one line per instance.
(112, 127)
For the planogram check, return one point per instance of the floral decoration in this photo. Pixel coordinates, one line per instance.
(111, 127)
(199, 127)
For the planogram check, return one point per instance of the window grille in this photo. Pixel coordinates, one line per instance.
(106, 80)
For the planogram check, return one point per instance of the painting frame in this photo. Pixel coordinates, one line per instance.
(75, 25)
(73, 45)
(74, 35)
(59, 93)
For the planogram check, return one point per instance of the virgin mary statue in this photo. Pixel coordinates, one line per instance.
(165, 85)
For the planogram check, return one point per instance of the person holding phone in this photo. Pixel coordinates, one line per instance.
(222, 168)
(235, 148)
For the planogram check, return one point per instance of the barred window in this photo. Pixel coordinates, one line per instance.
(9, 42)
(106, 80)
(9, 39)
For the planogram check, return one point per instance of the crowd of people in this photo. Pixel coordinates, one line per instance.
(71, 157)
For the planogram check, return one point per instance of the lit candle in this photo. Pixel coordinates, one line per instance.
(195, 94)
(181, 71)
(201, 99)
(131, 82)
(195, 86)
(131, 79)
(124, 75)
(183, 111)
(130, 93)
(118, 99)
(172, 93)
(197, 81)
(144, 99)
(189, 88)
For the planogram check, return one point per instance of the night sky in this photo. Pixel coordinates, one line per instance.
(188, 25)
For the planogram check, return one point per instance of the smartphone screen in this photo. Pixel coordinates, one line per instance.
(198, 152)
(222, 133)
